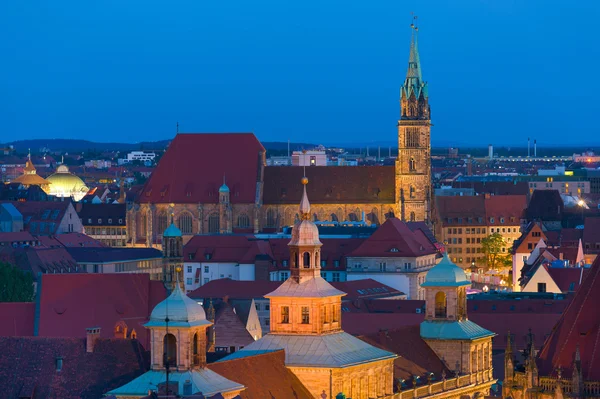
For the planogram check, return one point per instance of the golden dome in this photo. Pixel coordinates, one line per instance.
(66, 184)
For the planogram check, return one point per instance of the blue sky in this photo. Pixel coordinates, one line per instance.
(312, 71)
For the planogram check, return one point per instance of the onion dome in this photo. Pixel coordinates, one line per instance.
(445, 274)
(224, 188)
(180, 310)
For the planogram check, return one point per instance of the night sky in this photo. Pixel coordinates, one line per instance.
(323, 71)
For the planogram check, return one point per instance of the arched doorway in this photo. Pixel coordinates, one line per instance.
(440, 305)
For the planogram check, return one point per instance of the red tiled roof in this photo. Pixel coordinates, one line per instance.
(505, 206)
(463, 207)
(264, 376)
(546, 205)
(570, 237)
(329, 185)
(485, 207)
(416, 357)
(365, 288)
(394, 235)
(221, 248)
(16, 237)
(78, 240)
(70, 303)
(28, 367)
(192, 169)
(17, 319)
(579, 326)
(47, 212)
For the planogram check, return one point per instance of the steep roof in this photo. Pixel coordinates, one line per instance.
(394, 239)
(546, 205)
(568, 279)
(28, 367)
(192, 169)
(229, 328)
(43, 217)
(96, 300)
(579, 326)
(264, 375)
(329, 184)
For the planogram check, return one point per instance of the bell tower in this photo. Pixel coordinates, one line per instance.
(413, 165)
(172, 244)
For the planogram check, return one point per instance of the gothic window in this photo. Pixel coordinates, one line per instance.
(243, 221)
(412, 164)
(143, 224)
(373, 216)
(390, 214)
(213, 223)
(334, 217)
(285, 314)
(161, 222)
(412, 191)
(306, 259)
(184, 222)
(170, 350)
(270, 218)
(413, 218)
(411, 139)
(305, 315)
(440, 305)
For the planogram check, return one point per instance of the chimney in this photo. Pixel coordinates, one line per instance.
(92, 335)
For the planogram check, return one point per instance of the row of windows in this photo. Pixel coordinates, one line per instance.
(469, 260)
(328, 314)
(110, 221)
(468, 230)
(479, 220)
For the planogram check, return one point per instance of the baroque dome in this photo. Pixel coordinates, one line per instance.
(445, 274)
(181, 311)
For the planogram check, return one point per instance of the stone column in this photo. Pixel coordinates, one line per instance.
(200, 219)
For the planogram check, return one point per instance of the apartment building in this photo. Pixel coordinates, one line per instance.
(463, 222)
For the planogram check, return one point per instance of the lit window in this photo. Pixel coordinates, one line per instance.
(305, 315)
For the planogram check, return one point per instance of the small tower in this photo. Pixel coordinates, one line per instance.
(225, 211)
(305, 247)
(178, 353)
(447, 329)
(531, 369)
(577, 377)
(172, 245)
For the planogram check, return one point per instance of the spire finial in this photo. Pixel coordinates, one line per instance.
(223, 178)
(29, 153)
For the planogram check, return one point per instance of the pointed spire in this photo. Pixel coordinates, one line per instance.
(304, 204)
(414, 62)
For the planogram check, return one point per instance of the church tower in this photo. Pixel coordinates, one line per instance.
(413, 165)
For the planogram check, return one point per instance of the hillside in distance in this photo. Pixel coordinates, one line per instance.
(75, 145)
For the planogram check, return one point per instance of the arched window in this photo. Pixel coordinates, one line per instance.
(334, 217)
(440, 305)
(296, 264)
(195, 350)
(412, 191)
(143, 224)
(270, 217)
(412, 164)
(170, 350)
(413, 218)
(133, 334)
(306, 259)
(184, 222)
(161, 223)
(243, 221)
(213, 223)
(374, 216)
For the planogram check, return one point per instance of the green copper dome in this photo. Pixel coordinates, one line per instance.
(224, 188)
(445, 274)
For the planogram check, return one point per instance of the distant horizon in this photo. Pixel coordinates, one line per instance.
(497, 71)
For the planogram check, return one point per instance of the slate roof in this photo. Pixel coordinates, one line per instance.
(229, 328)
(264, 374)
(329, 184)
(579, 326)
(28, 367)
(233, 155)
(100, 214)
(96, 300)
(331, 350)
(395, 239)
(101, 255)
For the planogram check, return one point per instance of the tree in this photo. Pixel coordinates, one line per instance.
(15, 284)
(494, 258)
